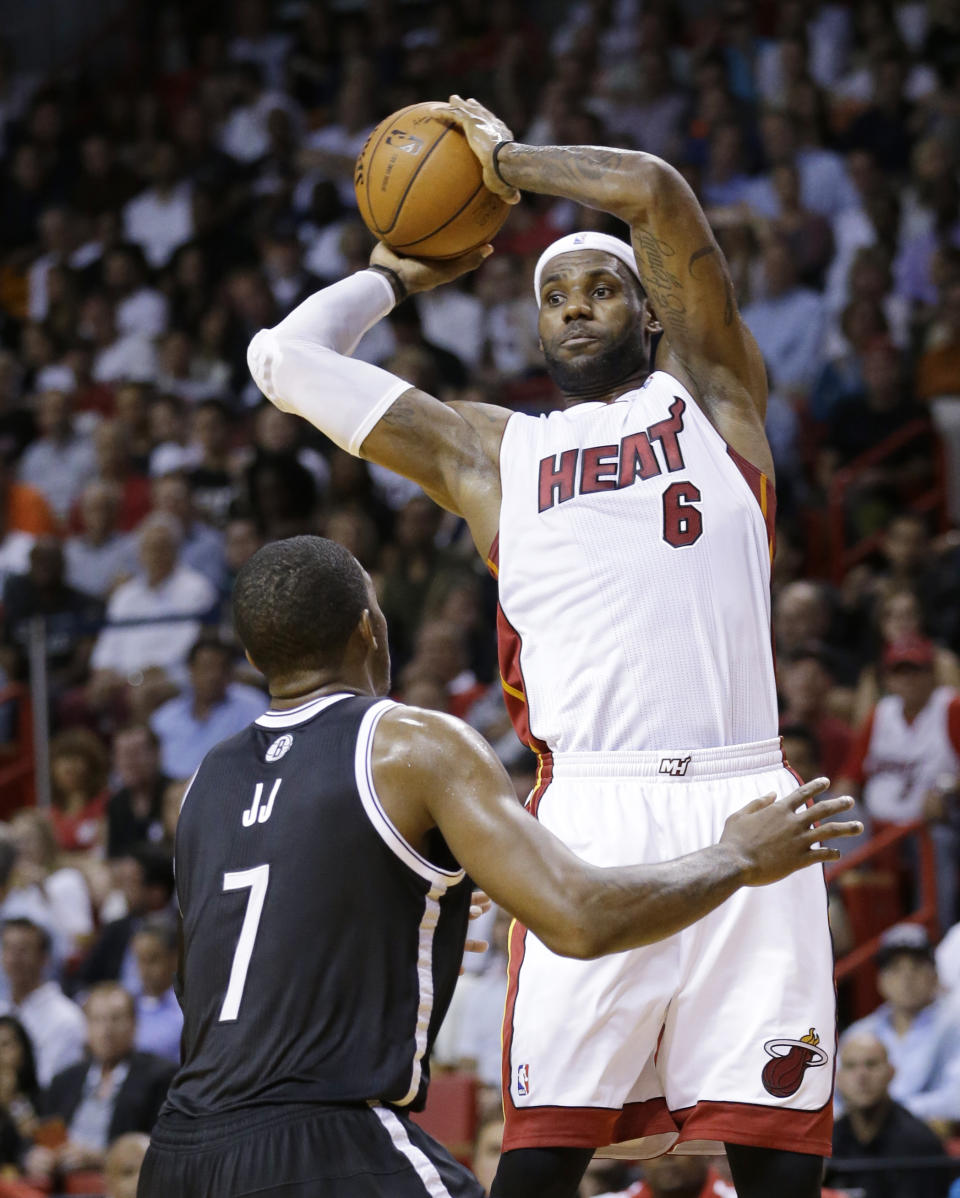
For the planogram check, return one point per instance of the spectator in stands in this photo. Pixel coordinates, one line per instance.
(139, 309)
(116, 355)
(61, 461)
(132, 411)
(906, 757)
(803, 616)
(24, 515)
(410, 572)
(875, 1126)
(123, 1163)
(678, 1177)
(899, 616)
(78, 783)
(114, 465)
(99, 556)
(169, 593)
(19, 1086)
(116, 1091)
(134, 810)
(160, 219)
(56, 898)
(201, 548)
(882, 406)
(441, 654)
(919, 1029)
(55, 1025)
(71, 617)
(805, 685)
(146, 879)
(213, 476)
(211, 708)
(159, 1018)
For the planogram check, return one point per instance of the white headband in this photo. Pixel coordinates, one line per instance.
(585, 241)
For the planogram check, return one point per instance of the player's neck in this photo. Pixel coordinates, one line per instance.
(296, 690)
(632, 382)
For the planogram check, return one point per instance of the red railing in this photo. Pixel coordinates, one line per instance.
(871, 897)
(16, 759)
(842, 555)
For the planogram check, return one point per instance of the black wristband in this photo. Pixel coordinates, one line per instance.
(398, 285)
(496, 160)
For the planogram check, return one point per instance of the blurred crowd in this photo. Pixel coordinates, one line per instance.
(161, 204)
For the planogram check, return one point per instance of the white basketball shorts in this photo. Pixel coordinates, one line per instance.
(725, 1032)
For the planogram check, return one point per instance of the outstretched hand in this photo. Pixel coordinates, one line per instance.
(776, 837)
(423, 274)
(483, 132)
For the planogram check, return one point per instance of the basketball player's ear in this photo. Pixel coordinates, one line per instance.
(651, 323)
(366, 630)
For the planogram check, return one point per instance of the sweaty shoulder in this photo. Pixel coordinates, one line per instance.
(413, 742)
(418, 759)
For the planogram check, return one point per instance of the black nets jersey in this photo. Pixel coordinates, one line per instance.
(320, 950)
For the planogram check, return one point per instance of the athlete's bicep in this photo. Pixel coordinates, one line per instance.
(441, 770)
(687, 278)
(430, 443)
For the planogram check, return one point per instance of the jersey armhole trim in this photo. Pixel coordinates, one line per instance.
(382, 824)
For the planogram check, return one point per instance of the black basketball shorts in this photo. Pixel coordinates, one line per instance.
(300, 1152)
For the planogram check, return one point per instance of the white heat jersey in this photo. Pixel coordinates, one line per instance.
(633, 564)
(904, 762)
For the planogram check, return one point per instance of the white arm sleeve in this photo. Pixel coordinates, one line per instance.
(302, 364)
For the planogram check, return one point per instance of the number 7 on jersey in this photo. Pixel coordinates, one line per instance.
(255, 880)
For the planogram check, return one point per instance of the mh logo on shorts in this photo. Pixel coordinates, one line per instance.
(523, 1080)
(791, 1059)
(674, 767)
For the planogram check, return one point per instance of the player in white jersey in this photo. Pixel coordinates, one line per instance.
(631, 534)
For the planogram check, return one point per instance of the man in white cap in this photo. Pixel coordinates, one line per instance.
(631, 534)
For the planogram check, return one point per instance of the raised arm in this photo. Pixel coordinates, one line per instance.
(681, 266)
(303, 366)
(432, 770)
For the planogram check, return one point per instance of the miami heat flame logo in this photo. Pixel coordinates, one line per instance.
(790, 1059)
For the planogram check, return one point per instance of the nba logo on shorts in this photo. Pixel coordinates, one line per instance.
(523, 1080)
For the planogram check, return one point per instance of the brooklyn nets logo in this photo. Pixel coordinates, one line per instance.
(280, 747)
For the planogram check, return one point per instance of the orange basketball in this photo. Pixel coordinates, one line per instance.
(420, 189)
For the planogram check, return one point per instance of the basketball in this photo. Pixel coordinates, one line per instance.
(420, 188)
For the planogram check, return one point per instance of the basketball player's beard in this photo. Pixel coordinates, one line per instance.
(598, 374)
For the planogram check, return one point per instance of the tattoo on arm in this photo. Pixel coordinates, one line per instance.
(662, 284)
(702, 252)
(728, 306)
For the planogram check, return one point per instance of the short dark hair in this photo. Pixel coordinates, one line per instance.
(27, 1084)
(156, 866)
(162, 928)
(24, 924)
(297, 601)
(209, 640)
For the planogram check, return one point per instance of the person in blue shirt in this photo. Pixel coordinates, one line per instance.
(159, 1018)
(209, 710)
(919, 1027)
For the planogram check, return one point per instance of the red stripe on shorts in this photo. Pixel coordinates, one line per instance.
(584, 1127)
(759, 1126)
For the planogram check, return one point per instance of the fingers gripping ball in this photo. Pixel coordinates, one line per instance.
(420, 188)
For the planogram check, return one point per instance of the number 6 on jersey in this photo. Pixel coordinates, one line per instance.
(255, 880)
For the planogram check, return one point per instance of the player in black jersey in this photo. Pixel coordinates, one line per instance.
(320, 860)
